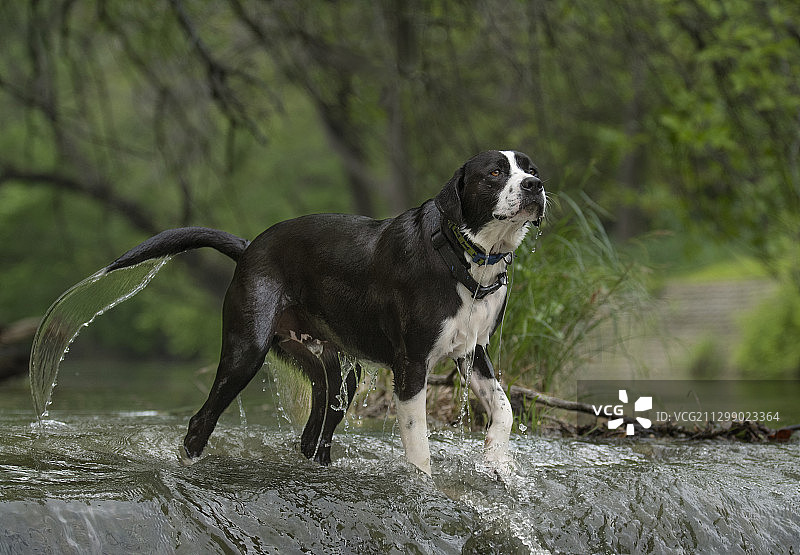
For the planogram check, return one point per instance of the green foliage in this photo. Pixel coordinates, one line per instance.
(770, 346)
(171, 317)
(125, 118)
(573, 281)
(729, 123)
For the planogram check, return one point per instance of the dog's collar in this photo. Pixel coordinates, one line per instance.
(477, 254)
(446, 241)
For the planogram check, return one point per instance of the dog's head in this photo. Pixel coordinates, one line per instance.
(493, 197)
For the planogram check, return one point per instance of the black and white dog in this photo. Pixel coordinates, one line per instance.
(404, 293)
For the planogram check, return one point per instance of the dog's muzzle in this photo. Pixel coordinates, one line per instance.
(534, 199)
(532, 204)
(538, 211)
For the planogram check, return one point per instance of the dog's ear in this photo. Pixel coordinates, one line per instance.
(448, 201)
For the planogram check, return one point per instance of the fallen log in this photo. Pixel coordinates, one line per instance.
(518, 394)
(521, 397)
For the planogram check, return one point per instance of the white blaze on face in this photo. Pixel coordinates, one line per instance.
(509, 202)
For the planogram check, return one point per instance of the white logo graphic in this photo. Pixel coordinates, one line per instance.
(642, 404)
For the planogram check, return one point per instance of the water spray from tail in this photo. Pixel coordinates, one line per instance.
(117, 282)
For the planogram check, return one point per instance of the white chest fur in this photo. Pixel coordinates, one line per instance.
(472, 325)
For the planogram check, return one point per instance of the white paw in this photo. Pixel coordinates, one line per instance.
(498, 464)
(184, 457)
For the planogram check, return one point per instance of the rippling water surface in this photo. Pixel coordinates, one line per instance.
(101, 475)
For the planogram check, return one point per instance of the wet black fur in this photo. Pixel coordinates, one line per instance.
(376, 290)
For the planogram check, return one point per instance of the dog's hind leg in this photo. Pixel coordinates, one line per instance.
(339, 399)
(313, 368)
(327, 408)
(247, 330)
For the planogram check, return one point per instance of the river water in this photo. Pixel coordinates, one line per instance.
(100, 475)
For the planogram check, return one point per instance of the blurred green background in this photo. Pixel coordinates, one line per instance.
(668, 133)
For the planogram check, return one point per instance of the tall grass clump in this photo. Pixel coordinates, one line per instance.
(571, 281)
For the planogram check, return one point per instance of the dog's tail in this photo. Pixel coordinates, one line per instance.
(116, 283)
(175, 241)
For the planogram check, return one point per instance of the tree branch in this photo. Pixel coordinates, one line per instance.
(99, 191)
(218, 76)
(518, 394)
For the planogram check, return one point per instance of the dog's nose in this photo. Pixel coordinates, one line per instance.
(532, 184)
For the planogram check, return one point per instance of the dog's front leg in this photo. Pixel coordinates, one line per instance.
(494, 400)
(410, 384)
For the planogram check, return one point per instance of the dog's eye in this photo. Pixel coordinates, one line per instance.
(534, 172)
(494, 173)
